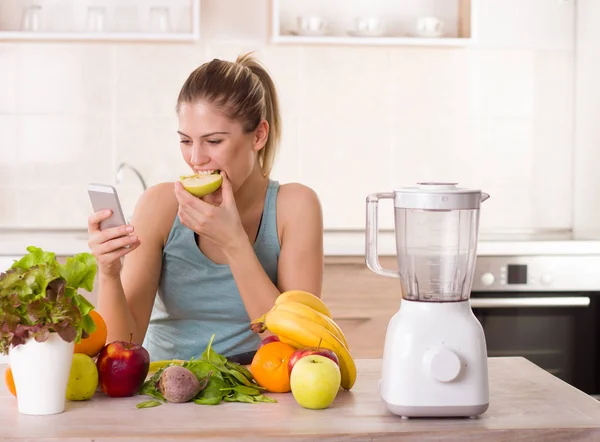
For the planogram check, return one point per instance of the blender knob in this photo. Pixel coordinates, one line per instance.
(487, 279)
(444, 365)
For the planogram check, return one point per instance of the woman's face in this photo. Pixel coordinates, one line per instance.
(209, 141)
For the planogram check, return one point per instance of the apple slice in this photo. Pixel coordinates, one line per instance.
(201, 185)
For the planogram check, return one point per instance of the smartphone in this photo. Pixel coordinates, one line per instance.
(103, 196)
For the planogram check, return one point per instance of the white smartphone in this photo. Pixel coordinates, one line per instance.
(103, 196)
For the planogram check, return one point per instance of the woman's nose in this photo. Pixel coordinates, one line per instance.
(198, 155)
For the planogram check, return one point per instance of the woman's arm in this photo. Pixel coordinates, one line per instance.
(125, 301)
(300, 267)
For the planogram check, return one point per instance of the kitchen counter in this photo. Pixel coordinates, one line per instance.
(13, 242)
(526, 403)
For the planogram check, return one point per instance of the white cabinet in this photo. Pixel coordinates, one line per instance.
(524, 24)
(101, 20)
(367, 22)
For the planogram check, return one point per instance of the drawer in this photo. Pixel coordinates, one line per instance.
(365, 335)
(351, 289)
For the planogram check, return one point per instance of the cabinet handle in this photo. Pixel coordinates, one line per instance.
(353, 318)
(575, 301)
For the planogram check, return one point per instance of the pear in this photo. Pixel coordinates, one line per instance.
(201, 185)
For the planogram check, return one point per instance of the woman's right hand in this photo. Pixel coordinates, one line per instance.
(108, 246)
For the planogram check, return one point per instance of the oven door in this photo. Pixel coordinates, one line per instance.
(556, 331)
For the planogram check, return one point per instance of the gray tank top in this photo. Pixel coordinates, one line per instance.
(197, 297)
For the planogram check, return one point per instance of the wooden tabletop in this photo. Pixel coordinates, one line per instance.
(526, 403)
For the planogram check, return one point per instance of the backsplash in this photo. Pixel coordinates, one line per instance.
(356, 120)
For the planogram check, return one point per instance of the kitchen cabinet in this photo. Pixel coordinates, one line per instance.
(100, 20)
(362, 22)
(361, 302)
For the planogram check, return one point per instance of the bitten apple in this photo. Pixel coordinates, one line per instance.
(309, 351)
(122, 368)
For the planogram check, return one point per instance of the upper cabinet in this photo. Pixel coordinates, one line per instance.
(407, 22)
(131, 20)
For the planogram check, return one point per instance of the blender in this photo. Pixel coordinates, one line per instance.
(434, 359)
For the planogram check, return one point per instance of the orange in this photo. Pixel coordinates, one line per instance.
(95, 342)
(10, 382)
(270, 367)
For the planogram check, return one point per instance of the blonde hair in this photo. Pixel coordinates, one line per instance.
(245, 92)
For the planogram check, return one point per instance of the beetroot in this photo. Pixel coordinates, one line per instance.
(178, 384)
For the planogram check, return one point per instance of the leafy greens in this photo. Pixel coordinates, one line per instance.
(222, 380)
(38, 296)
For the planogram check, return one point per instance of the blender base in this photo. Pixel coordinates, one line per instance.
(435, 361)
(469, 411)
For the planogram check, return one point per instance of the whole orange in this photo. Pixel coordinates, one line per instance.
(10, 382)
(270, 367)
(96, 341)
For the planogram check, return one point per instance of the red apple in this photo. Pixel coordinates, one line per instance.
(122, 368)
(302, 352)
(268, 339)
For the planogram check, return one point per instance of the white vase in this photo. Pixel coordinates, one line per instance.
(41, 374)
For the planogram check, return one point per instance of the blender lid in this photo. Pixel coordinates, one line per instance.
(438, 196)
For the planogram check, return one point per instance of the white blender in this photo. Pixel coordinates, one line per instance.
(435, 358)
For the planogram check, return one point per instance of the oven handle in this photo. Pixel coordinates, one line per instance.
(574, 301)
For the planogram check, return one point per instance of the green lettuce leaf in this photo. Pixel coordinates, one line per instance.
(38, 296)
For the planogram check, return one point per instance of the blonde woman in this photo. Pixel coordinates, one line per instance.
(198, 266)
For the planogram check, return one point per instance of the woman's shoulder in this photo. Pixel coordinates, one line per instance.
(156, 209)
(297, 201)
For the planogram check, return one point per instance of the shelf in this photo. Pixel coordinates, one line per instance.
(97, 36)
(377, 41)
(338, 22)
(100, 20)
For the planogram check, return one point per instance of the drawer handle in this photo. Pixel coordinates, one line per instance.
(353, 318)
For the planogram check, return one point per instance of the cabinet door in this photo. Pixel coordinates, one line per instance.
(524, 24)
(361, 302)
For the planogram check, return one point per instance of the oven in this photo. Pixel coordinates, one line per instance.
(545, 309)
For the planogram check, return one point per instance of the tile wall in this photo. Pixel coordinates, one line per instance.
(356, 120)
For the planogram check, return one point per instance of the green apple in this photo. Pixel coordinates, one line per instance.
(201, 185)
(315, 382)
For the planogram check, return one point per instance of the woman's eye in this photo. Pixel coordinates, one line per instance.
(214, 141)
(185, 141)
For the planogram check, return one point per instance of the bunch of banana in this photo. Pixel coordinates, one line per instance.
(157, 365)
(301, 319)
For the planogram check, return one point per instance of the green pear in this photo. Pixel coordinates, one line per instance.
(201, 185)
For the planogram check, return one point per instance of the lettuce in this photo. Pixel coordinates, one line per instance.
(38, 296)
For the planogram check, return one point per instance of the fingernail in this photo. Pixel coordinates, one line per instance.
(129, 228)
(107, 212)
(133, 238)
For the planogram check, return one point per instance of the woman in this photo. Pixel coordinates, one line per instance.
(198, 266)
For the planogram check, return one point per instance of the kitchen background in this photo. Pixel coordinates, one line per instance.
(508, 100)
(498, 114)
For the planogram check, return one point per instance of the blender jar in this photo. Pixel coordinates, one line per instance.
(436, 229)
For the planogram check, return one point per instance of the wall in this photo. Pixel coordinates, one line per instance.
(356, 119)
(587, 135)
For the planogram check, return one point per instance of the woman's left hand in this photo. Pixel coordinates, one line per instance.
(220, 223)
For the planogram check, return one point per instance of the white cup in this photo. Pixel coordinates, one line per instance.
(367, 25)
(311, 25)
(429, 26)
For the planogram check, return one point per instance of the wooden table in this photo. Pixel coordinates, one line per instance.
(526, 403)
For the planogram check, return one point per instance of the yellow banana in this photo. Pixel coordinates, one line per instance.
(289, 342)
(305, 298)
(308, 334)
(314, 316)
(157, 365)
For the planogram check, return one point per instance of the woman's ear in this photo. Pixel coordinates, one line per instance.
(261, 135)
